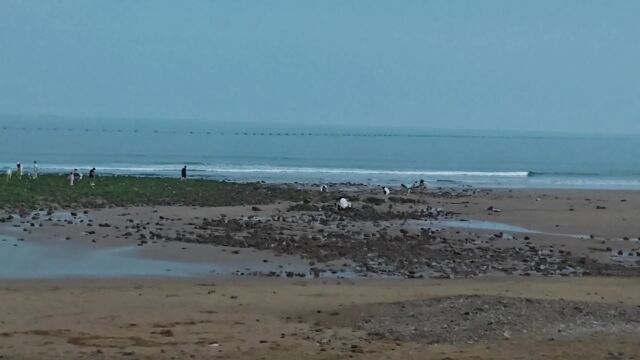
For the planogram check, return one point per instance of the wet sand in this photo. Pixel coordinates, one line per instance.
(238, 282)
(484, 231)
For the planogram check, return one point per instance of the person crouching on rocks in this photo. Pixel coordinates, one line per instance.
(77, 175)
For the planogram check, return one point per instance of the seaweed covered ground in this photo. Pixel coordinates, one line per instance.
(54, 190)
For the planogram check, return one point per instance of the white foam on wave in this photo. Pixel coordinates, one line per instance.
(362, 171)
(292, 170)
(597, 182)
(514, 179)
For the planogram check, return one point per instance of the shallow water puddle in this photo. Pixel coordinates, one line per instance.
(483, 225)
(21, 260)
(494, 226)
(59, 259)
(630, 257)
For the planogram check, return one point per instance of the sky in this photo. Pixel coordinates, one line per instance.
(542, 65)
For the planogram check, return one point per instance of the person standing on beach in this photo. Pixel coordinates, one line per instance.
(72, 177)
(35, 170)
(184, 173)
(92, 177)
(19, 170)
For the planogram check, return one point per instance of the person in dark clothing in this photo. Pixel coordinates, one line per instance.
(92, 177)
(184, 173)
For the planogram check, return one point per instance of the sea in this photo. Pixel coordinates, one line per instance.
(320, 154)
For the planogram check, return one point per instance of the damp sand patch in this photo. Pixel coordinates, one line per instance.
(475, 318)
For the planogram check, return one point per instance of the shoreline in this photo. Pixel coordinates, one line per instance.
(281, 176)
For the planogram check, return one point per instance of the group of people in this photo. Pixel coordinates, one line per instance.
(20, 171)
(73, 177)
(76, 176)
(418, 185)
(421, 185)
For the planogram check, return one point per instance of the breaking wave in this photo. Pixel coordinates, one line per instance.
(202, 168)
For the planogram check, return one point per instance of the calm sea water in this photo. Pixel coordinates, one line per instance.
(323, 154)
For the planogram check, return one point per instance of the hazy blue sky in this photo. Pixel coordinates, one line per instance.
(541, 65)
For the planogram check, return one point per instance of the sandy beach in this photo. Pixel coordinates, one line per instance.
(444, 274)
(314, 319)
(323, 180)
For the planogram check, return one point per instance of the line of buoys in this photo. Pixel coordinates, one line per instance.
(211, 132)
